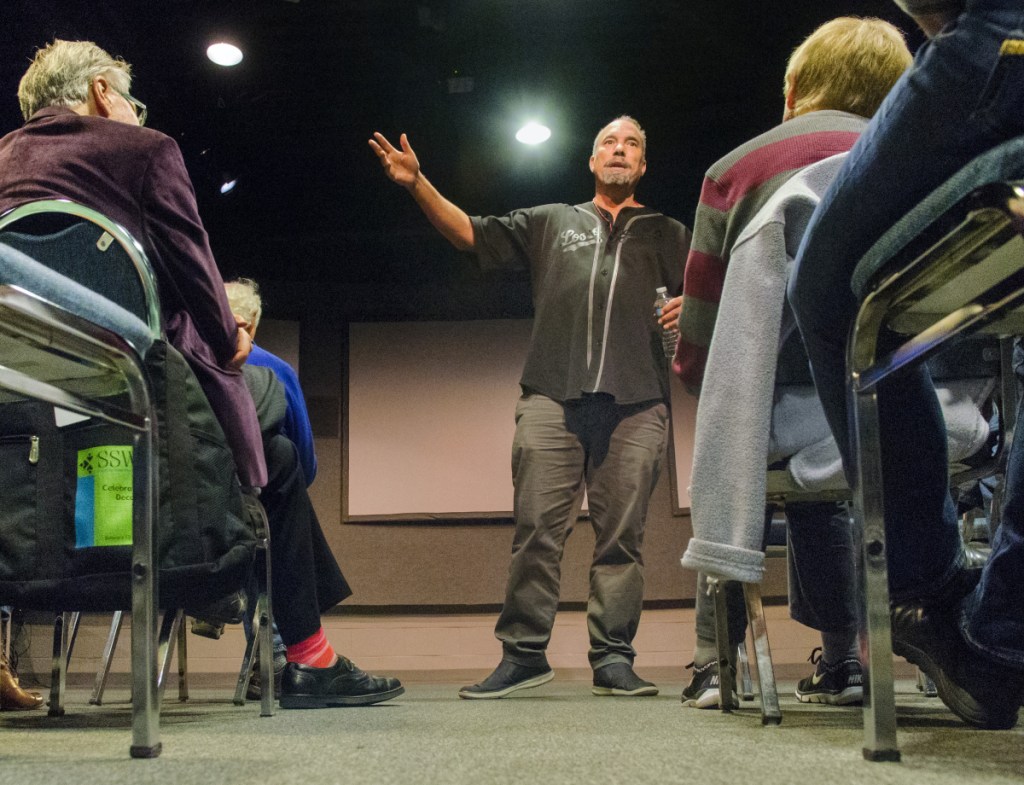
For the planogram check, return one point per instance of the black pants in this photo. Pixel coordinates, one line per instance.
(305, 577)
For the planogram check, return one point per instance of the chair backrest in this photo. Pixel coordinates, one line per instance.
(87, 247)
(962, 198)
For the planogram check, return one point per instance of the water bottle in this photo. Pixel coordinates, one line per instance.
(668, 337)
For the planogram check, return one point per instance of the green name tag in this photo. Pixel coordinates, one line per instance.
(103, 497)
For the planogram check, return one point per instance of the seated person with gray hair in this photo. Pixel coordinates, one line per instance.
(83, 141)
(247, 305)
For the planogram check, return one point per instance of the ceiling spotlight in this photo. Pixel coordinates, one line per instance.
(228, 185)
(223, 53)
(533, 133)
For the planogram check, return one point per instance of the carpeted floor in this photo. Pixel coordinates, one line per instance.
(555, 734)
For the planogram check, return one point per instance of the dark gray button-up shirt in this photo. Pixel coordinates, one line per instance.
(593, 291)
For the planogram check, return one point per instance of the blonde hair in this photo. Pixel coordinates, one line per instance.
(849, 64)
(61, 73)
(624, 118)
(245, 301)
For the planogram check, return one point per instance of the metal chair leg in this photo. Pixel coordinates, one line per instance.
(172, 629)
(770, 713)
(65, 631)
(145, 601)
(74, 618)
(245, 672)
(266, 657)
(182, 659)
(746, 683)
(262, 636)
(6, 622)
(107, 660)
(726, 658)
(58, 670)
(879, 694)
(165, 648)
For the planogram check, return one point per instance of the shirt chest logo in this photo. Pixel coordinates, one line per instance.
(572, 240)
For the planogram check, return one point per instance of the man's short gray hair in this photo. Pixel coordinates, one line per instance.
(61, 73)
(245, 301)
(622, 118)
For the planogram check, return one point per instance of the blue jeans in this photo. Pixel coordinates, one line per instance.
(822, 580)
(958, 100)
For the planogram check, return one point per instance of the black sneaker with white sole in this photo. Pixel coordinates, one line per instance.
(703, 690)
(837, 684)
(506, 679)
(619, 680)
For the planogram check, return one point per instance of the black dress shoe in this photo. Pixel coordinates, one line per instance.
(343, 684)
(979, 691)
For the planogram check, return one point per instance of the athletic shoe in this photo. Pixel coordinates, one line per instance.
(979, 691)
(837, 684)
(506, 679)
(703, 690)
(618, 679)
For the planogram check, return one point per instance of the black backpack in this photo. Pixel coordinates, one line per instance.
(57, 552)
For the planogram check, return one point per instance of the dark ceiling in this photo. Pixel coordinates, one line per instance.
(312, 211)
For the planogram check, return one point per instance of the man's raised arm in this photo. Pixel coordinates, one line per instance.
(403, 167)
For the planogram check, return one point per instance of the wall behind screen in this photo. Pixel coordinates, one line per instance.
(429, 420)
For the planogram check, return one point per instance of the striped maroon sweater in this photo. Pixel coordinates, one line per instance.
(734, 190)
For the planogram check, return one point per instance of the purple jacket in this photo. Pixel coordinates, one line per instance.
(136, 177)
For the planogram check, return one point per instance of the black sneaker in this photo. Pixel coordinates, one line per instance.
(838, 684)
(506, 679)
(618, 679)
(703, 689)
(978, 691)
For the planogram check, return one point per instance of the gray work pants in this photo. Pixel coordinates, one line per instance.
(615, 453)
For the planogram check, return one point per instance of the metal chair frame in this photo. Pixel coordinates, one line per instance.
(984, 255)
(54, 331)
(32, 322)
(66, 624)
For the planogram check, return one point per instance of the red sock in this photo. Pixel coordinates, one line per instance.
(314, 651)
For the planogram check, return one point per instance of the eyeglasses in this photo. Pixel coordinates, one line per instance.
(140, 108)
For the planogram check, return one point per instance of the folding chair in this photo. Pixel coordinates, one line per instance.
(91, 361)
(75, 361)
(950, 268)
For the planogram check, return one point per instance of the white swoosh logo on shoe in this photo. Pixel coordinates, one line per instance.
(816, 678)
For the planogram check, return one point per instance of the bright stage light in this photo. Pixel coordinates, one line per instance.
(224, 54)
(533, 133)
